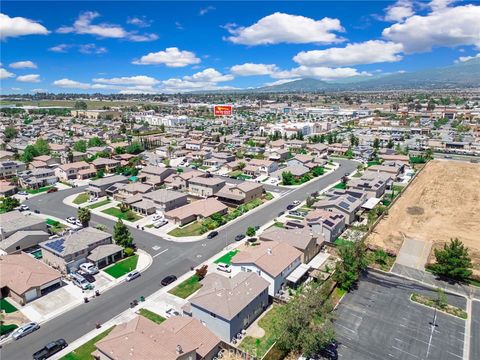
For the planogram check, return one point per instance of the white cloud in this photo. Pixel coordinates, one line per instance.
(369, 52)
(30, 78)
(251, 69)
(71, 84)
(467, 58)
(206, 10)
(285, 28)
(23, 65)
(4, 74)
(171, 57)
(139, 21)
(280, 82)
(39, 90)
(83, 25)
(131, 80)
(19, 26)
(402, 9)
(319, 72)
(82, 48)
(440, 4)
(209, 75)
(450, 27)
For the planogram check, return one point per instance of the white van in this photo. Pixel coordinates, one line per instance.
(80, 281)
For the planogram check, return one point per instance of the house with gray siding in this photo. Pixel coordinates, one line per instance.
(229, 305)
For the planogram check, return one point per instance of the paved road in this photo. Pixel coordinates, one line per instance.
(378, 321)
(475, 331)
(178, 259)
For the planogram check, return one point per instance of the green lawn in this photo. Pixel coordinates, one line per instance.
(193, 229)
(279, 224)
(150, 315)
(340, 185)
(474, 282)
(6, 329)
(39, 190)
(122, 267)
(6, 306)
(259, 346)
(294, 217)
(187, 288)
(98, 204)
(227, 258)
(374, 162)
(115, 211)
(81, 198)
(339, 241)
(84, 352)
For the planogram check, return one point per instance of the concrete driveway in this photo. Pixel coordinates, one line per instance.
(414, 253)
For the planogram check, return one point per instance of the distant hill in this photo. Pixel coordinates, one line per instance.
(466, 74)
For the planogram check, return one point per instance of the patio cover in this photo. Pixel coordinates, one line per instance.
(298, 273)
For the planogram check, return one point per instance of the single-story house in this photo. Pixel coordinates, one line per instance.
(97, 188)
(196, 210)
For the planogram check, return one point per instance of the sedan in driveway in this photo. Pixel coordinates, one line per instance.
(212, 234)
(161, 223)
(24, 330)
(239, 237)
(168, 280)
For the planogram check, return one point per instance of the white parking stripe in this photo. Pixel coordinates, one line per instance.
(160, 253)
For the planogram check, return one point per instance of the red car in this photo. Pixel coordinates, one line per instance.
(52, 190)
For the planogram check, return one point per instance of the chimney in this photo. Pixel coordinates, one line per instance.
(269, 251)
(179, 349)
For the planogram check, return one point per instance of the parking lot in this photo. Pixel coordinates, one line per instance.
(378, 321)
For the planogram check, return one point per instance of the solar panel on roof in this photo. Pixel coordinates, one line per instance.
(56, 245)
(351, 199)
(328, 222)
(343, 205)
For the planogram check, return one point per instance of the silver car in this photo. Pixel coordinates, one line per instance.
(24, 330)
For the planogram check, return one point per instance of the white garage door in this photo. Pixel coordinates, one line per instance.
(30, 295)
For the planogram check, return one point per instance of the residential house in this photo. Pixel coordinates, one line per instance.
(193, 145)
(241, 193)
(75, 170)
(272, 260)
(68, 252)
(7, 188)
(11, 168)
(177, 338)
(327, 224)
(124, 190)
(196, 210)
(154, 175)
(106, 165)
(346, 204)
(37, 178)
(372, 183)
(205, 186)
(20, 232)
(218, 159)
(98, 188)
(279, 155)
(24, 278)
(180, 181)
(166, 200)
(258, 167)
(296, 170)
(229, 305)
(319, 149)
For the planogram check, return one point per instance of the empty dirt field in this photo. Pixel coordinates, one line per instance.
(443, 202)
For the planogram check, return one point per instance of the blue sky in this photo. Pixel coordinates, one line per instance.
(159, 46)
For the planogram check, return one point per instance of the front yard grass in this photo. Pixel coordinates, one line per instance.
(84, 352)
(115, 211)
(6, 306)
(433, 303)
(150, 315)
(227, 258)
(122, 267)
(193, 229)
(259, 346)
(81, 198)
(98, 204)
(340, 185)
(39, 190)
(187, 288)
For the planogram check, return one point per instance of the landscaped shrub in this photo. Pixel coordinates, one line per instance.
(128, 252)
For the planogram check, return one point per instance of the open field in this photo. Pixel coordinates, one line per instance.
(443, 202)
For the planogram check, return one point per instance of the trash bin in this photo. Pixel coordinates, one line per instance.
(142, 298)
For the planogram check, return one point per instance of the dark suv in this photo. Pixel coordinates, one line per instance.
(212, 234)
(50, 349)
(168, 280)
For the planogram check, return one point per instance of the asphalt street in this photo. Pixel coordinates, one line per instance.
(475, 331)
(378, 321)
(169, 258)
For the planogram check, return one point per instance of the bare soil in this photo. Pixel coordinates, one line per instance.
(443, 202)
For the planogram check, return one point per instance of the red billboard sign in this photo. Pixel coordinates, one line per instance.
(222, 110)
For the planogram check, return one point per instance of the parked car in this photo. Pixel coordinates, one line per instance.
(22, 193)
(167, 280)
(52, 190)
(71, 220)
(133, 275)
(252, 240)
(80, 281)
(90, 278)
(290, 207)
(23, 207)
(160, 224)
(296, 202)
(92, 200)
(172, 312)
(89, 268)
(156, 217)
(36, 211)
(224, 267)
(50, 349)
(78, 223)
(329, 352)
(24, 330)
(212, 234)
(280, 213)
(239, 237)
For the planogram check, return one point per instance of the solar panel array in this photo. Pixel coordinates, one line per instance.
(57, 245)
(328, 223)
(343, 205)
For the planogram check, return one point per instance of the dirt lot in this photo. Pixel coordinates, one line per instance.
(443, 202)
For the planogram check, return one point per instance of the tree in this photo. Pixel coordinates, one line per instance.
(251, 231)
(287, 178)
(41, 145)
(353, 262)
(81, 105)
(134, 148)
(452, 261)
(390, 144)
(9, 203)
(10, 133)
(84, 216)
(241, 165)
(310, 201)
(121, 234)
(29, 153)
(95, 141)
(376, 143)
(80, 146)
